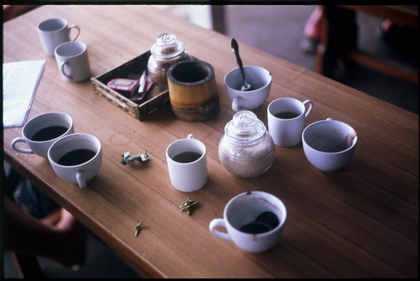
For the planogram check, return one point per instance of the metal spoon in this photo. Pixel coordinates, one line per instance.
(235, 49)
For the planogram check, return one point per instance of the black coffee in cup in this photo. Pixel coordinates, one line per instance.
(255, 227)
(49, 133)
(263, 223)
(187, 157)
(286, 114)
(76, 157)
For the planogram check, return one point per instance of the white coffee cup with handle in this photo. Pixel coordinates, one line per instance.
(76, 158)
(253, 220)
(73, 61)
(54, 32)
(42, 131)
(260, 80)
(286, 120)
(187, 164)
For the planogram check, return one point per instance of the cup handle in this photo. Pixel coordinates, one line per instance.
(235, 104)
(311, 105)
(219, 222)
(62, 69)
(190, 136)
(81, 179)
(23, 150)
(78, 31)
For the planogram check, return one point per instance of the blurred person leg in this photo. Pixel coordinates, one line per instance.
(64, 242)
(312, 32)
(341, 38)
(58, 236)
(401, 37)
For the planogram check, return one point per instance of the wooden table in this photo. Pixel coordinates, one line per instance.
(362, 221)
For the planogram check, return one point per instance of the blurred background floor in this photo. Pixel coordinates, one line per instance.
(277, 30)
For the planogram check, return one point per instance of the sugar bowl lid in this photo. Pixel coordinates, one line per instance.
(167, 46)
(245, 126)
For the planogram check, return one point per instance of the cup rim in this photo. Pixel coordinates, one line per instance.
(61, 20)
(271, 104)
(310, 126)
(75, 135)
(186, 139)
(82, 48)
(205, 64)
(35, 118)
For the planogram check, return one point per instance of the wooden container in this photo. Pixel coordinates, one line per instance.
(155, 98)
(193, 90)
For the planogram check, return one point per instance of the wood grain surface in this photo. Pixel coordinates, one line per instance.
(361, 221)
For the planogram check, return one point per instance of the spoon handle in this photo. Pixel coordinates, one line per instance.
(235, 49)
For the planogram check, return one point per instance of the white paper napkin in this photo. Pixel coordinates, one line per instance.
(20, 81)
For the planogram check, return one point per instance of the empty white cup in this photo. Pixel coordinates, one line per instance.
(54, 32)
(73, 61)
(329, 144)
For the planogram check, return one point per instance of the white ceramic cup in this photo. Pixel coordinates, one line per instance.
(286, 120)
(42, 131)
(82, 166)
(54, 32)
(187, 175)
(329, 144)
(73, 62)
(243, 209)
(260, 79)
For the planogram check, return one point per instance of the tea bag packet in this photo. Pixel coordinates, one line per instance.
(124, 86)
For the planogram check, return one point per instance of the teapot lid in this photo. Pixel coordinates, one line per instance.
(245, 126)
(167, 46)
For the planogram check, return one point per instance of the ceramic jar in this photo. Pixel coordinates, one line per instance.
(164, 53)
(246, 149)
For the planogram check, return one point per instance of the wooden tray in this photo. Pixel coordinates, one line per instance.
(155, 98)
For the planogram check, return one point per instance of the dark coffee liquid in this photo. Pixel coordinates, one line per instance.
(286, 115)
(49, 133)
(186, 157)
(263, 223)
(76, 157)
(255, 227)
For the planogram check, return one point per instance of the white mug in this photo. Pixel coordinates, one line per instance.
(286, 120)
(241, 217)
(42, 131)
(187, 164)
(329, 144)
(54, 32)
(76, 158)
(260, 80)
(73, 62)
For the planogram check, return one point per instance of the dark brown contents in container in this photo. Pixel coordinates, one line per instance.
(49, 133)
(255, 227)
(263, 223)
(76, 157)
(186, 157)
(286, 115)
